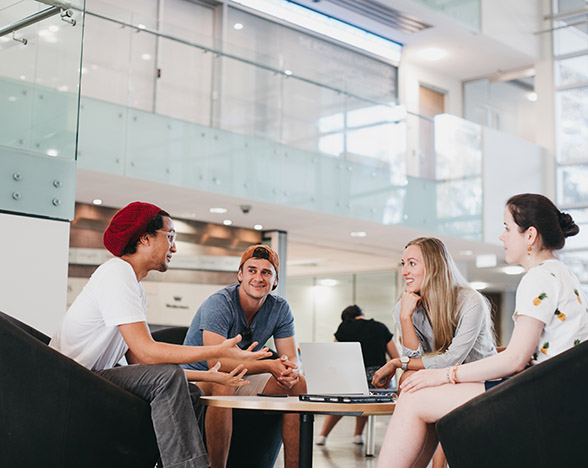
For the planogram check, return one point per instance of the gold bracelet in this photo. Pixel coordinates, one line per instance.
(454, 374)
(449, 375)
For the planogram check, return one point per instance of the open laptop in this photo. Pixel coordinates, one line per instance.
(335, 373)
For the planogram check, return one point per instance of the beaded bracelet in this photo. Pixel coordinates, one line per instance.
(448, 375)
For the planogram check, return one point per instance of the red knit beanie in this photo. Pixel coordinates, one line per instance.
(128, 225)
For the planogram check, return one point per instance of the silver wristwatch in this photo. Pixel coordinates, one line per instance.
(404, 362)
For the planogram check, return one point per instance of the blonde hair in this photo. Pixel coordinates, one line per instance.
(441, 286)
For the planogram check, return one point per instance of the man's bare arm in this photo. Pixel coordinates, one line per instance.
(143, 349)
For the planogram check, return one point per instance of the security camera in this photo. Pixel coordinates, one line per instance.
(245, 208)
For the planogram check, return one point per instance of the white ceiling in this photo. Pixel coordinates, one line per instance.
(318, 243)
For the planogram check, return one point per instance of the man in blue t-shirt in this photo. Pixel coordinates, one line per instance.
(248, 308)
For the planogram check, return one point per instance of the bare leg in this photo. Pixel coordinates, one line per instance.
(439, 460)
(290, 422)
(330, 421)
(411, 437)
(218, 425)
(360, 422)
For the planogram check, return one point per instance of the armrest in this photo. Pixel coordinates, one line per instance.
(538, 418)
(55, 412)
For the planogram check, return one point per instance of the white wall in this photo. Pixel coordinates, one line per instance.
(34, 275)
(513, 23)
(511, 165)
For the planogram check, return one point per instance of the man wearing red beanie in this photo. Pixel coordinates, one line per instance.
(107, 322)
(248, 308)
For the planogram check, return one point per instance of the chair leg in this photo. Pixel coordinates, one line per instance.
(370, 441)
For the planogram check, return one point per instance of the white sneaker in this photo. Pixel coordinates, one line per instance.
(358, 439)
(321, 440)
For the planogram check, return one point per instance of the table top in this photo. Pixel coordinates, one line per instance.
(293, 404)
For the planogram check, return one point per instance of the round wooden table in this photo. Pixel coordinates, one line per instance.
(306, 409)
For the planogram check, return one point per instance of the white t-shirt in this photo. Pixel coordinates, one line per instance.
(552, 294)
(89, 332)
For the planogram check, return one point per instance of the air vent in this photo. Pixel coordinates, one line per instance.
(382, 14)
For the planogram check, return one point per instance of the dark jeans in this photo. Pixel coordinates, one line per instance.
(174, 409)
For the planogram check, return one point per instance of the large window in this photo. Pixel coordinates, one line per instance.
(570, 50)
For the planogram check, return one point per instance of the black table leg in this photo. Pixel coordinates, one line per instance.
(305, 441)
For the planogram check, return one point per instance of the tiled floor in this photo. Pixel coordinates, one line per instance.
(339, 451)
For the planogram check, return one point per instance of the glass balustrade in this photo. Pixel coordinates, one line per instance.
(40, 57)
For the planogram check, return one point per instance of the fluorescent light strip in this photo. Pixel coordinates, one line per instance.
(329, 27)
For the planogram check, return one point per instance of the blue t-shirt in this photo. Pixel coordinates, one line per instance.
(221, 313)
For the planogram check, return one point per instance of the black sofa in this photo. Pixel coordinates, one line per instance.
(56, 413)
(537, 419)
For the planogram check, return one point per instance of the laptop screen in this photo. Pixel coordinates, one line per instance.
(334, 368)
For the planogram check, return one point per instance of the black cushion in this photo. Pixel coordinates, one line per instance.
(538, 419)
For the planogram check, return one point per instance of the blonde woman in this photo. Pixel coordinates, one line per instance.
(442, 320)
(550, 317)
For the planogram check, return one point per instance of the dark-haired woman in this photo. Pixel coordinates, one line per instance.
(376, 341)
(550, 317)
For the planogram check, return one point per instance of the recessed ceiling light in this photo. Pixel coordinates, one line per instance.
(513, 270)
(12, 98)
(52, 152)
(218, 210)
(432, 54)
(328, 282)
(359, 234)
(97, 201)
(146, 56)
(141, 26)
(478, 285)
(238, 26)
(227, 222)
(532, 97)
(466, 253)
(53, 28)
(258, 227)
(288, 72)
(486, 261)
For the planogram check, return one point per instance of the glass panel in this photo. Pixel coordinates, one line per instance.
(307, 56)
(466, 12)
(184, 87)
(508, 106)
(39, 84)
(572, 124)
(572, 184)
(458, 147)
(571, 71)
(39, 90)
(376, 294)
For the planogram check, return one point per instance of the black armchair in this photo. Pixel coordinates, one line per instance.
(538, 418)
(56, 413)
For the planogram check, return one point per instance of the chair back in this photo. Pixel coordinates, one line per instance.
(26, 328)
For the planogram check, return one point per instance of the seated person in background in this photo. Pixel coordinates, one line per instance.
(107, 322)
(248, 308)
(550, 317)
(376, 340)
(442, 320)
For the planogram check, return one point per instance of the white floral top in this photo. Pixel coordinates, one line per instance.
(552, 294)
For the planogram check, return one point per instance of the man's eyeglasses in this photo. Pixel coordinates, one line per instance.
(171, 235)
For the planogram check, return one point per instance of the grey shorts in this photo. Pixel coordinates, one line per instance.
(256, 385)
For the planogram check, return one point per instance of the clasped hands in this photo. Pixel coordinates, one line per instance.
(284, 371)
